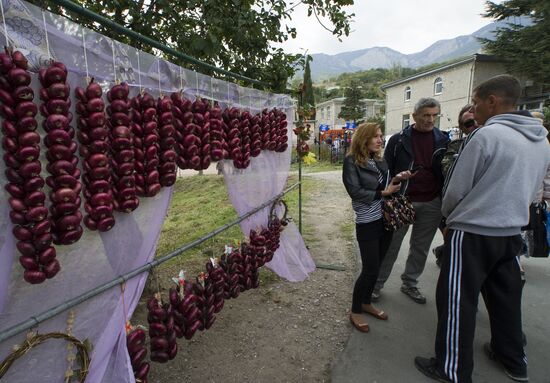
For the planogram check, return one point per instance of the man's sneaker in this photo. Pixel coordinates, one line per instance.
(514, 376)
(428, 366)
(375, 296)
(414, 294)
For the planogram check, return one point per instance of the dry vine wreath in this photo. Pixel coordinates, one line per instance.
(273, 212)
(83, 357)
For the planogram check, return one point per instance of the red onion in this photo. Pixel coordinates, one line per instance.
(161, 330)
(62, 160)
(135, 342)
(125, 198)
(145, 138)
(181, 110)
(167, 164)
(22, 146)
(201, 120)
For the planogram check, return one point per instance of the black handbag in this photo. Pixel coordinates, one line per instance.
(538, 224)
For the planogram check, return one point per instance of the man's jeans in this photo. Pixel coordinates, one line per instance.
(428, 217)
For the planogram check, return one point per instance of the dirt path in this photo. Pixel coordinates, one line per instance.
(285, 332)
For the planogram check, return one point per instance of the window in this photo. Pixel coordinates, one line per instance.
(328, 112)
(407, 93)
(406, 121)
(438, 86)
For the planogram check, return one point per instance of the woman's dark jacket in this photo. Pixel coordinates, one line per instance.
(361, 181)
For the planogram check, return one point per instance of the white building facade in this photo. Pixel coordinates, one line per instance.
(450, 84)
(326, 112)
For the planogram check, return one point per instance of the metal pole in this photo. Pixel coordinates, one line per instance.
(69, 5)
(50, 313)
(300, 194)
(319, 142)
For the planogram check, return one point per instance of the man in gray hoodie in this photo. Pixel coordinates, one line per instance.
(486, 201)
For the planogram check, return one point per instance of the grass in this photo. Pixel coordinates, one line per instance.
(319, 166)
(347, 230)
(199, 205)
(308, 186)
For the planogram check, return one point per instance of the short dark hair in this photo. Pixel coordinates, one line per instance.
(504, 85)
(464, 109)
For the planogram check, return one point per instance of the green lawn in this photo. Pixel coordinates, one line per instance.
(199, 205)
(319, 166)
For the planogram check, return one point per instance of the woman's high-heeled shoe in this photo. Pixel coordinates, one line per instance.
(378, 314)
(363, 327)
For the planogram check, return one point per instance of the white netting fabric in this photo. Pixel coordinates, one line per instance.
(99, 258)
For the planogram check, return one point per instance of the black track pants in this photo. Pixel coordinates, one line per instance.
(470, 263)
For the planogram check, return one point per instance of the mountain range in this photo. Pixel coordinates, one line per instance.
(325, 66)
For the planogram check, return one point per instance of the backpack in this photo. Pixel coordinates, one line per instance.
(450, 155)
(538, 223)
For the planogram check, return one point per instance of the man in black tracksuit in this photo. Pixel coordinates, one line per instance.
(420, 146)
(486, 201)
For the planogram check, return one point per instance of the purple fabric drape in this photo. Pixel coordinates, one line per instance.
(262, 180)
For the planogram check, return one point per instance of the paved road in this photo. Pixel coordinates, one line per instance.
(386, 353)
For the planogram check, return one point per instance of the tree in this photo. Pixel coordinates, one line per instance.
(380, 120)
(524, 48)
(236, 35)
(308, 98)
(353, 109)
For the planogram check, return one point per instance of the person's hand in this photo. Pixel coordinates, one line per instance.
(405, 175)
(392, 188)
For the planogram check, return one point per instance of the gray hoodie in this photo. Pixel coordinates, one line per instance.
(496, 176)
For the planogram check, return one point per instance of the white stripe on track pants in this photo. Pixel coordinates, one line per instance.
(472, 264)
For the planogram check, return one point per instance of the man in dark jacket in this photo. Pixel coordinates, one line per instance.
(420, 148)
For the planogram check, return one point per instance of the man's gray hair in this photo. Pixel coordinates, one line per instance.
(426, 102)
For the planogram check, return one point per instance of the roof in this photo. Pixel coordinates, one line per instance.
(462, 61)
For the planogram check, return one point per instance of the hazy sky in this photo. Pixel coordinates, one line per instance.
(407, 26)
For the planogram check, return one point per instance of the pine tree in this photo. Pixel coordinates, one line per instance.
(309, 98)
(525, 49)
(353, 108)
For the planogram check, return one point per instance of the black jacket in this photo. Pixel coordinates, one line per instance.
(361, 182)
(400, 156)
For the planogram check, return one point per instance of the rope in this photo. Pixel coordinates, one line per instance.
(114, 59)
(85, 55)
(4, 21)
(46, 35)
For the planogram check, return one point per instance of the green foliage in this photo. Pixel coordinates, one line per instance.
(194, 213)
(352, 109)
(308, 97)
(380, 120)
(369, 80)
(525, 49)
(546, 112)
(236, 35)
